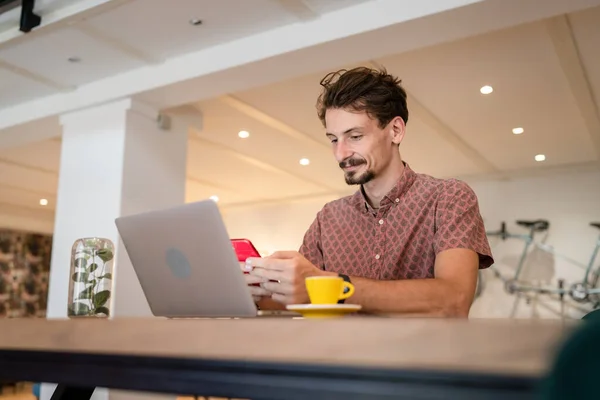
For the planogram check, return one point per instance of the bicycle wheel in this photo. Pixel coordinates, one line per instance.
(595, 284)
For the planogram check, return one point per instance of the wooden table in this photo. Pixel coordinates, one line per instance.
(280, 358)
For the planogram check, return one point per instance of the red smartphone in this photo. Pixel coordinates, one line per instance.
(244, 249)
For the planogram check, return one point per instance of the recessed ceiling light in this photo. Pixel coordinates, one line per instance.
(518, 131)
(243, 134)
(73, 59)
(195, 21)
(486, 89)
(540, 157)
(43, 202)
(214, 198)
(304, 161)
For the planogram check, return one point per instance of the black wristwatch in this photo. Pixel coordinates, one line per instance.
(347, 279)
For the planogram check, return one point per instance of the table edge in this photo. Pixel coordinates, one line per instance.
(249, 378)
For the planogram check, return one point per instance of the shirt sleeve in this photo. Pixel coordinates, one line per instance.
(459, 224)
(311, 245)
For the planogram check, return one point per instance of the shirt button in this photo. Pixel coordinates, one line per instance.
(380, 222)
(377, 256)
(397, 200)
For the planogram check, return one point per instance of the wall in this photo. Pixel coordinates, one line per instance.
(27, 219)
(271, 227)
(23, 276)
(24, 269)
(568, 200)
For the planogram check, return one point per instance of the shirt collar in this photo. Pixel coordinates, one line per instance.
(359, 198)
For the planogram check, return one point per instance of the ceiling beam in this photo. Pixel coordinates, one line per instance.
(209, 184)
(258, 163)
(565, 46)
(449, 135)
(189, 178)
(247, 62)
(22, 210)
(298, 8)
(115, 43)
(60, 18)
(27, 166)
(272, 122)
(285, 200)
(40, 193)
(34, 77)
(221, 190)
(191, 116)
(535, 172)
(30, 132)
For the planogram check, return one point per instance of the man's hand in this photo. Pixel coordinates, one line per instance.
(282, 274)
(253, 282)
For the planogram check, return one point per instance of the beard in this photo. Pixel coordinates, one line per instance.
(355, 177)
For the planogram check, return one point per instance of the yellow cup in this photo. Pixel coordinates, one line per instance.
(327, 289)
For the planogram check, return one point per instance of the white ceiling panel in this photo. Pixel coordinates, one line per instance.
(293, 102)
(222, 123)
(24, 198)
(429, 153)
(28, 179)
(299, 110)
(226, 169)
(162, 28)
(21, 217)
(43, 154)
(530, 91)
(326, 6)
(16, 89)
(97, 59)
(195, 191)
(586, 31)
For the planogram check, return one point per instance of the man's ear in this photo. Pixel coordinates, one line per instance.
(397, 130)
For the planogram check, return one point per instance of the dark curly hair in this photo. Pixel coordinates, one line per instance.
(364, 89)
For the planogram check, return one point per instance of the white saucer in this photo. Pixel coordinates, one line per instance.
(324, 310)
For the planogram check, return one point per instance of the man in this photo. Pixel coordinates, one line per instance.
(408, 242)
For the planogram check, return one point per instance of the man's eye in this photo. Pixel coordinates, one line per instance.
(333, 140)
(355, 137)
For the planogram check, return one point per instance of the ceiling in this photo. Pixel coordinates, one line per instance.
(545, 75)
(103, 42)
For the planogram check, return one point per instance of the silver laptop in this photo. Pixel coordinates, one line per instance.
(186, 264)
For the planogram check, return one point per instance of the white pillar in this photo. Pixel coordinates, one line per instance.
(115, 160)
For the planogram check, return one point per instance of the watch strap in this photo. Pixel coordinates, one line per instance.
(347, 279)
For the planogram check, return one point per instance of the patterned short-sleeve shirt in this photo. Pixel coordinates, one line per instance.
(420, 217)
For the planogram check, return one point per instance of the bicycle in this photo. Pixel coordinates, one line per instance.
(581, 291)
(585, 291)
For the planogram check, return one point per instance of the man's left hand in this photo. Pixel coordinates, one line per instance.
(288, 269)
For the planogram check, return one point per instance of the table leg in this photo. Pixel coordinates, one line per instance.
(64, 392)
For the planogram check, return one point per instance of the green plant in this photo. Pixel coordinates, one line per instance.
(90, 272)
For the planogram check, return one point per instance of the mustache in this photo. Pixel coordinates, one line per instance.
(351, 162)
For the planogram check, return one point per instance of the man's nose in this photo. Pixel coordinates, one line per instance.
(342, 152)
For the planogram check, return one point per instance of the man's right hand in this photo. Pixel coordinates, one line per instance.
(254, 282)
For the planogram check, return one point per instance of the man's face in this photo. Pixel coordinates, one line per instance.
(362, 149)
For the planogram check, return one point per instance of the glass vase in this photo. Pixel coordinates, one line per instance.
(90, 278)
